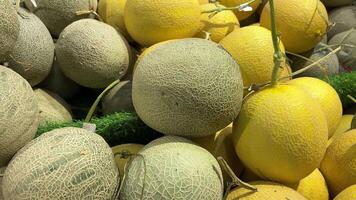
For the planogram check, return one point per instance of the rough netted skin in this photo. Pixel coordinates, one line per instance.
(281, 134)
(188, 87)
(92, 53)
(119, 99)
(18, 116)
(339, 163)
(241, 15)
(337, 3)
(265, 190)
(343, 18)
(67, 163)
(2, 171)
(172, 167)
(9, 26)
(32, 56)
(347, 194)
(56, 15)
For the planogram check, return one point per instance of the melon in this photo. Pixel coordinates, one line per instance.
(32, 56)
(119, 99)
(56, 15)
(347, 194)
(18, 116)
(343, 126)
(9, 26)
(52, 108)
(189, 87)
(70, 163)
(343, 18)
(172, 167)
(337, 3)
(92, 53)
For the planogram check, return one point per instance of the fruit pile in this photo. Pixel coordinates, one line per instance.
(178, 99)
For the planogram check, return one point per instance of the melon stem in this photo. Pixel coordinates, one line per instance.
(238, 7)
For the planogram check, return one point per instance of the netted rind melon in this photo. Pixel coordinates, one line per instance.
(188, 87)
(9, 26)
(119, 99)
(343, 19)
(172, 167)
(66, 163)
(32, 56)
(18, 114)
(92, 53)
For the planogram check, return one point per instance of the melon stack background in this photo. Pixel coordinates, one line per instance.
(177, 99)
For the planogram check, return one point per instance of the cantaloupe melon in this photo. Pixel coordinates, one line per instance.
(337, 3)
(343, 19)
(69, 163)
(56, 15)
(18, 116)
(188, 87)
(172, 167)
(347, 194)
(92, 53)
(2, 171)
(32, 56)
(119, 99)
(9, 26)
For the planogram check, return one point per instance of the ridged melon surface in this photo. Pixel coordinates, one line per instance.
(188, 87)
(92, 53)
(172, 167)
(66, 163)
(18, 114)
(32, 56)
(119, 99)
(9, 26)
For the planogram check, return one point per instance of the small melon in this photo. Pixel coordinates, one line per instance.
(189, 87)
(18, 116)
(347, 194)
(32, 56)
(92, 53)
(66, 163)
(172, 167)
(119, 99)
(9, 26)
(52, 107)
(337, 3)
(343, 19)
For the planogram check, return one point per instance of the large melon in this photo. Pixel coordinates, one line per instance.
(32, 56)
(9, 26)
(119, 99)
(343, 18)
(172, 167)
(18, 114)
(67, 163)
(188, 87)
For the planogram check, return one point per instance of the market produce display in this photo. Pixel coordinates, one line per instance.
(177, 99)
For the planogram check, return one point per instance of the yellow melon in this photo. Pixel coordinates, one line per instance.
(344, 125)
(241, 15)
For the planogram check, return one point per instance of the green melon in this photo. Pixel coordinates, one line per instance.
(344, 19)
(188, 87)
(32, 56)
(67, 163)
(119, 99)
(172, 167)
(9, 26)
(18, 116)
(92, 53)
(337, 3)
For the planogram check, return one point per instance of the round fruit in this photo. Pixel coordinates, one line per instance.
(302, 24)
(265, 190)
(252, 48)
(119, 99)
(68, 162)
(343, 19)
(149, 22)
(218, 25)
(9, 26)
(32, 56)
(173, 168)
(347, 194)
(339, 163)
(326, 96)
(57, 15)
(188, 87)
(281, 134)
(241, 15)
(19, 114)
(337, 3)
(92, 53)
(343, 126)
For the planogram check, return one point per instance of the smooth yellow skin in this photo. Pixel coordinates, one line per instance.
(339, 163)
(344, 125)
(301, 24)
(326, 96)
(124, 148)
(218, 25)
(152, 21)
(203, 1)
(347, 194)
(252, 48)
(241, 15)
(280, 134)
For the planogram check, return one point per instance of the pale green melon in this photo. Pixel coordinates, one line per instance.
(32, 56)
(9, 26)
(337, 3)
(188, 87)
(92, 53)
(119, 99)
(172, 167)
(343, 19)
(66, 163)
(18, 114)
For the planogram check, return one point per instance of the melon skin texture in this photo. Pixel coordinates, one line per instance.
(337, 3)
(66, 163)
(344, 19)
(119, 99)
(56, 15)
(9, 26)
(172, 167)
(343, 126)
(32, 56)
(347, 194)
(92, 53)
(241, 15)
(188, 87)
(18, 116)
